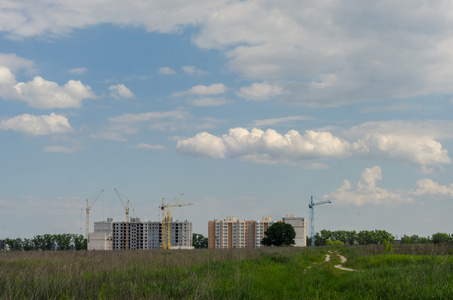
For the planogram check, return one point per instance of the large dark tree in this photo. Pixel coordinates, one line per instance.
(279, 234)
(199, 241)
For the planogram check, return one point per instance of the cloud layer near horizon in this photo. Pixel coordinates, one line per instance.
(272, 147)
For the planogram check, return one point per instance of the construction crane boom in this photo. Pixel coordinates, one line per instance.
(166, 220)
(126, 208)
(311, 205)
(88, 214)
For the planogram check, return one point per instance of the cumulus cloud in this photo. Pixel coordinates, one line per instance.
(367, 192)
(120, 91)
(266, 146)
(203, 90)
(260, 91)
(37, 125)
(419, 150)
(270, 146)
(41, 93)
(427, 186)
(166, 71)
(193, 71)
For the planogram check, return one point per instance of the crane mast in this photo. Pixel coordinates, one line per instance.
(87, 226)
(166, 221)
(164, 241)
(126, 208)
(311, 205)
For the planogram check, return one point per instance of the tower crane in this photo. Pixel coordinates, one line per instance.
(88, 214)
(166, 241)
(126, 208)
(311, 205)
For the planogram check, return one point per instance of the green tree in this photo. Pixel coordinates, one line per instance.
(63, 241)
(279, 234)
(79, 241)
(330, 242)
(199, 241)
(28, 245)
(440, 238)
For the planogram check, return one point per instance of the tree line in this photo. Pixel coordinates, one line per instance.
(47, 242)
(366, 237)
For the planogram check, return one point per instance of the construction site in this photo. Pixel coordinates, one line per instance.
(133, 234)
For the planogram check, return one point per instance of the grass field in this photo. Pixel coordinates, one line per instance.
(410, 272)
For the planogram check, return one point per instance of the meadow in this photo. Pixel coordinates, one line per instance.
(410, 271)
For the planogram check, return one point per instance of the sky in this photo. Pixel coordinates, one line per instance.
(248, 108)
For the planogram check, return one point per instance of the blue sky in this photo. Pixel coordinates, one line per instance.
(246, 107)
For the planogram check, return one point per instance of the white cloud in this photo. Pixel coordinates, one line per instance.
(166, 71)
(53, 19)
(148, 146)
(120, 91)
(272, 147)
(321, 53)
(260, 91)
(265, 146)
(203, 90)
(41, 93)
(194, 71)
(427, 186)
(37, 125)
(16, 63)
(417, 150)
(77, 71)
(209, 101)
(367, 192)
(433, 128)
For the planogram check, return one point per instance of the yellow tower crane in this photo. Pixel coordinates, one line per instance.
(88, 214)
(166, 220)
(164, 241)
(126, 207)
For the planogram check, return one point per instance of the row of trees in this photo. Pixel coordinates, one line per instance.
(64, 241)
(436, 238)
(364, 237)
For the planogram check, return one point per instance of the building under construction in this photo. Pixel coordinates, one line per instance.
(234, 233)
(110, 235)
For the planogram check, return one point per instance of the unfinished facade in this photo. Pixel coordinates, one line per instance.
(300, 227)
(234, 233)
(101, 238)
(110, 235)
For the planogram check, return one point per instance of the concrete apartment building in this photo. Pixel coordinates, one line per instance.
(110, 235)
(300, 227)
(101, 238)
(234, 233)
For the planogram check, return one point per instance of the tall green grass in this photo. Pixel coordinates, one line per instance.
(272, 273)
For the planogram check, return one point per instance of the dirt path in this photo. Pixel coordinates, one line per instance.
(343, 260)
(339, 266)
